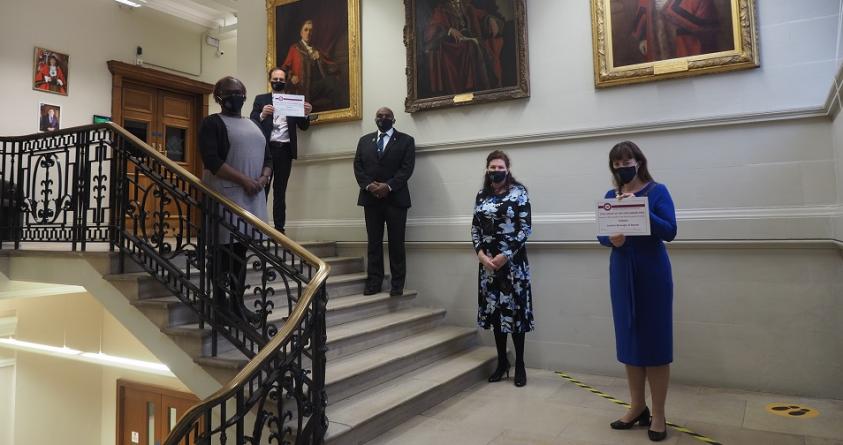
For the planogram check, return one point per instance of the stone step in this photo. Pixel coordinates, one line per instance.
(343, 339)
(167, 312)
(368, 414)
(351, 375)
(348, 279)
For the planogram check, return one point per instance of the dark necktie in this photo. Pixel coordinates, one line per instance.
(381, 138)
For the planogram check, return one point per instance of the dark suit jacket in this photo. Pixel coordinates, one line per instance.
(394, 168)
(266, 125)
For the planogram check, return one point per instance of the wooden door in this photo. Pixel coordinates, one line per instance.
(146, 414)
(166, 121)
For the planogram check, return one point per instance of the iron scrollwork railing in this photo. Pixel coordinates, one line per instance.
(255, 291)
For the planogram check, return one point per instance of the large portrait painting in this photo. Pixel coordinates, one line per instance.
(317, 42)
(462, 52)
(644, 40)
(50, 71)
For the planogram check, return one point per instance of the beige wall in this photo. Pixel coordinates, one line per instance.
(81, 397)
(92, 32)
(7, 403)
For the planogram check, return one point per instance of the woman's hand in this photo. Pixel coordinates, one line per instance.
(251, 186)
(618, 239)
(486, 261)
(499, 261)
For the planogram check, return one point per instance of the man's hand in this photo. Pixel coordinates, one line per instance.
(307, 108)
(314, 55)
(268, 110)
(456, 34)
(379, 189)
(642, 46)
(294, 79)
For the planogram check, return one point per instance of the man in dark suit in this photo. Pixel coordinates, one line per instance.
(49, 121)
(383, 164)
(280, 133)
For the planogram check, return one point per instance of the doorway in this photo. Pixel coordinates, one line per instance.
(146, 414)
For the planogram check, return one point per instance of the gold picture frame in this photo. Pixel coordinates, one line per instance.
(646, 40)
(322, 62)
(447, 42)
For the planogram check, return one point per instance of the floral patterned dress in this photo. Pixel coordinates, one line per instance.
(501, 225)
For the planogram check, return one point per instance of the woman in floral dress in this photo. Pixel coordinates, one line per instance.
(499, 232)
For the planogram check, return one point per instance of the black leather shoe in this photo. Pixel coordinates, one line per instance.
(520, 375)
(371, 290)
(396, 291)
(657, 436)
(643, 419)
(503, 368)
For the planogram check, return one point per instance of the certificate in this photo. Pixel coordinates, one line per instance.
(630, 216)
(291, 105)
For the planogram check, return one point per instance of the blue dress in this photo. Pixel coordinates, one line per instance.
(501, 225)
(642, 286)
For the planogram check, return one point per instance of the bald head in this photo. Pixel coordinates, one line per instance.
(384, 119)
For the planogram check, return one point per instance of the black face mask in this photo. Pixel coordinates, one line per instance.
(627, 174)
(232, 104)
(496, 176)
(278, 86)
(384, 125)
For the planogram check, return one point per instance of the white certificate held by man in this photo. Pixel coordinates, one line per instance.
(291, 105)
(629, 216)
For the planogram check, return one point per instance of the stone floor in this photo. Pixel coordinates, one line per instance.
(551, 410)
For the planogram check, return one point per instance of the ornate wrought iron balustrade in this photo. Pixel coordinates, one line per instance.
(251, 288)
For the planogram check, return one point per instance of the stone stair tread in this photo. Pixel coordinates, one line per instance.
(340, 303)
(365, 361)
(365, 406)
(354, 328)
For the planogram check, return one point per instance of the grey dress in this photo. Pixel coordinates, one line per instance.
(247, 155)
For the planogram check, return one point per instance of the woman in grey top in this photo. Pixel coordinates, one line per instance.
(237, 166)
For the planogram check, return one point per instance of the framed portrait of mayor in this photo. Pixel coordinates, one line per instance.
(462, 52)
(646, 40)
(317, 42)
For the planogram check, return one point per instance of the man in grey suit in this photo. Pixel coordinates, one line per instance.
(382, 165)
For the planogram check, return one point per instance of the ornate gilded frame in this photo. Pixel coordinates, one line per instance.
(521, 89)
(743, 56)
(353, 112)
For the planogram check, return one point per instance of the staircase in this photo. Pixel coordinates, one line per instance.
(388, 358)
(78, 196)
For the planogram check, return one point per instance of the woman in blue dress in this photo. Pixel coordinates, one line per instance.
(499, 232)
(642, 291)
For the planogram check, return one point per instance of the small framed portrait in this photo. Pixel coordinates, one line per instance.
(317, 43)
(646, 40)
(50, 71)
(49, 117)
(462, 52)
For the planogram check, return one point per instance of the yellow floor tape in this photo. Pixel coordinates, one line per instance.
(593, 390)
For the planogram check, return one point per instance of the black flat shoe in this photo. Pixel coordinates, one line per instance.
(520, 375)
(643, 419)
(396, 292)
(371, 289)
(657, 436)
(503, 368)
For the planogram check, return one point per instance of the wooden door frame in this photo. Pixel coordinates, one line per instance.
(121, 71)
(123, 383)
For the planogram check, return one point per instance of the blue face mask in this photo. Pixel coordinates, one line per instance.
(627, 174)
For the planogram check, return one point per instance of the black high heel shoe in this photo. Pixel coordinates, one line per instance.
(520, 375)
(657, 436)
(643, 419)
(503, 368)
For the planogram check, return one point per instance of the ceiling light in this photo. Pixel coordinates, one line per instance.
(129, 3)
(38, 347)
(99, 357)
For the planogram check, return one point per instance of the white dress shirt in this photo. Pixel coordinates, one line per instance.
(386, 138)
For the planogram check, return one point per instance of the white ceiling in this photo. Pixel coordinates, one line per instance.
(213, 14)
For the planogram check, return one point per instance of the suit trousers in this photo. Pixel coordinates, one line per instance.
(282, 164)
(396, 223)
